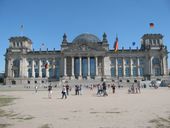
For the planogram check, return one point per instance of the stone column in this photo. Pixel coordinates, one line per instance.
(150, 62)
(33, 70)
(131, 67)
(25, 67)
(65, 66)
(123, 66)
(164, 65)
(96, 58)
(72, 70)
(9, 67)
(11, 72)
(138, 67)
(88, 67)
(80, 72)
(21, 67)
(40, 68)
(6, 67)
(116, 67)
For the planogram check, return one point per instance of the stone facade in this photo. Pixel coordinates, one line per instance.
(86, 57)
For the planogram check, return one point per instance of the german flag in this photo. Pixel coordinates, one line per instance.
(151, 25)
(46, 66)
(116, 44)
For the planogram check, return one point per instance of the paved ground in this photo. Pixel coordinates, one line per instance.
(150, 108)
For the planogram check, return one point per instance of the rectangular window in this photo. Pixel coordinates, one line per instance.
(141, 71)
(157, 72)
(29, 63)
(120, 73)
(17, 44)
(141, 61)
(112, 61)
(43, 73)
(58, 63)
(134, 71)
(127, 71)
(112, 72)
(36, 63)
(119, 61)
(156, 61)
(43, 62)
(36, 73)
(127, 62)
(29, 72)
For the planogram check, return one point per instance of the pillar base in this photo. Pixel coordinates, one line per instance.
(88, 77)
(80, 77)
(72, 77)
(97, 77)
(65, 77)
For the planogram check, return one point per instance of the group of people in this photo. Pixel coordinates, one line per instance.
(101, 89)
(134, 88)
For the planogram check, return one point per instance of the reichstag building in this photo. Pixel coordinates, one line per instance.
(86, 57)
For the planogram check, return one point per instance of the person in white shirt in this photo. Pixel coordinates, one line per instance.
(64, 92)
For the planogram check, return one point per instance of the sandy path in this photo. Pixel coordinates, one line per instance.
(119, 110)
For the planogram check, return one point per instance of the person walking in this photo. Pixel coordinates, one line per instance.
(104, 89)
(64, 91)
(113, 88)
(36, 88)
(67, 89)
(50, 91)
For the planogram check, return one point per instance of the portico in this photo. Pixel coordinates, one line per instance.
(82, 67)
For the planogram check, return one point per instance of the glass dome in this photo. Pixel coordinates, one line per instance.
(86, 38)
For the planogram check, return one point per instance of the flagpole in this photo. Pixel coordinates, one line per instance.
(116, 51)
(21, 30)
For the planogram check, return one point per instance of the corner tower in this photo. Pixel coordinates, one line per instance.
(20, 43)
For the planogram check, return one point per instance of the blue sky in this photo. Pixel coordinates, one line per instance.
(45, 21)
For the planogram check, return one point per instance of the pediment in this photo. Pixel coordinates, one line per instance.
(84, 48)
